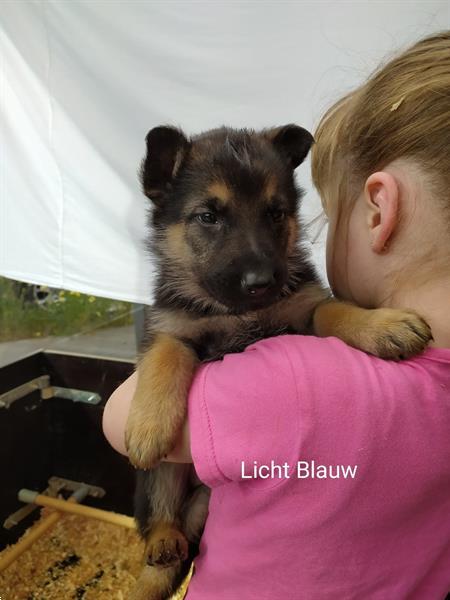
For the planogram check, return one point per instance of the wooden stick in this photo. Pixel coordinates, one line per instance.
(34, 534)
(78, 509)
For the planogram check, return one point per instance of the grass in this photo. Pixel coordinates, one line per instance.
(61, 314)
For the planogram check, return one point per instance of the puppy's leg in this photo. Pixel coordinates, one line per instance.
(160, 494)
(195, 513)
(158, 407)
(387, 333)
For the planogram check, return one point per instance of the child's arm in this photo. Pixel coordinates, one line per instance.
(292, 398)
(115, 417)
(241, 408)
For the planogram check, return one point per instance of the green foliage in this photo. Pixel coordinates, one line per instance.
(59, 313)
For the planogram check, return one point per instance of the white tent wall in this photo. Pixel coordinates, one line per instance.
(81, 83)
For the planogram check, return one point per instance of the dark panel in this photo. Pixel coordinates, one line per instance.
(22, 370)
(41, 438)
(100, 375)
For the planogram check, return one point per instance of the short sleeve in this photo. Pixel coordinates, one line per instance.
(243, 411)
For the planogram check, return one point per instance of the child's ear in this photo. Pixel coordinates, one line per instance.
(166, 150)
(381, 194)
(292, 142)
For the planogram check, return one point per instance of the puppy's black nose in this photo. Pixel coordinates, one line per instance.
(257, 281)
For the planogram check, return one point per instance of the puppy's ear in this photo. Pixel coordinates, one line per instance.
(166, 150)
(292, 142)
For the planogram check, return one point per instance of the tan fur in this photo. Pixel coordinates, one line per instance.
(270, 188)
(154, 584)
(165, 373)
(388, 333)
(220, 190)
(176, 245)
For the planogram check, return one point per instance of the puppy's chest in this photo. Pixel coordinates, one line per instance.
(214, 344)
(213, 337)
(216, 335)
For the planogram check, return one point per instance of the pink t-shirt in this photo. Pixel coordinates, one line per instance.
(382, 532)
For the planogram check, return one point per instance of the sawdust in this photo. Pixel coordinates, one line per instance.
(78, 559)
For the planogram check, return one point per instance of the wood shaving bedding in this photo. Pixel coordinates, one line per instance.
(78, 559)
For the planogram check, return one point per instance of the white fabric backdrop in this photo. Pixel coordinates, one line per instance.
(83, 82)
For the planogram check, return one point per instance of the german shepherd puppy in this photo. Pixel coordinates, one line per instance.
(231, 271)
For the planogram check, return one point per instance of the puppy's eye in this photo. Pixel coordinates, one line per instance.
(207, 218)
(277, 215)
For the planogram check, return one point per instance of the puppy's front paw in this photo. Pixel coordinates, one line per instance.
(396, 334)
(158, 407)
(146, 441)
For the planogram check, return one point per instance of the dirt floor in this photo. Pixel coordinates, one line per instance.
(80, 559)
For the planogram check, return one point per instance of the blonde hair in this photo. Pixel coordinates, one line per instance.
(401, 111)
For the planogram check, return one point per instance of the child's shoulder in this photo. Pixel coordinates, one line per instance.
(314, 346)
(330, 362)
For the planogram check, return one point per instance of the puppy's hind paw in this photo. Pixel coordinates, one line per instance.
(167, 549)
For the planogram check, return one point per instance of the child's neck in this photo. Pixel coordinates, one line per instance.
(432, 302)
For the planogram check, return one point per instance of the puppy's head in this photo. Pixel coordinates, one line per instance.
(225, 213)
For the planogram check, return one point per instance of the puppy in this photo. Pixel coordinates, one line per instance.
(231, 270)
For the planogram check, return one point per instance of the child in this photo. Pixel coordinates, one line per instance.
(329, 468)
